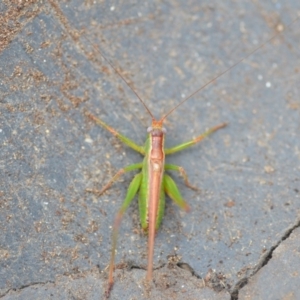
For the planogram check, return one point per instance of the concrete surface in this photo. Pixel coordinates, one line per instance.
(55, 237)
(284, 270)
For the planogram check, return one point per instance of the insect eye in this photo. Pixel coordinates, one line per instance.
(164, 130)
(149, 129)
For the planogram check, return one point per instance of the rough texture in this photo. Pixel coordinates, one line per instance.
(53, 234)
(281, 274)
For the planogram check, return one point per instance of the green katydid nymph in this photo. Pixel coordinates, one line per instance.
(151, 183)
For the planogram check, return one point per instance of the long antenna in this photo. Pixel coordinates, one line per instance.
(126, 82)
(227, 70)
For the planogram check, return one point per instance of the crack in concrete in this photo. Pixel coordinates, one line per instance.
(26, 286)
(240, 284)
(22, 287)
(212, 279)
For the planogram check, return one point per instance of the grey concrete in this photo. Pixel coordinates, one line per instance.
(280, 275)
(56, 236)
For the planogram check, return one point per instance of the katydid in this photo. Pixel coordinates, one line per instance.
(151, 182)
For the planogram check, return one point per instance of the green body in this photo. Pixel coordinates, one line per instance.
(144, 192)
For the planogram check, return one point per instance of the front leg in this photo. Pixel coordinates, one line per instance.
(195, 140)
(120, 136)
